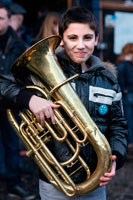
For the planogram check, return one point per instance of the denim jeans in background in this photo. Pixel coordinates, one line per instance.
(9, 151)
(49, 192)
(128, 110)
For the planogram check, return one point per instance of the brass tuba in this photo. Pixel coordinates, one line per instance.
(40, 60)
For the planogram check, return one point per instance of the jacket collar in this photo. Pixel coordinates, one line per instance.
(93, 63)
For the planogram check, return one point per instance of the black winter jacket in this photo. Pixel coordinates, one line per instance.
(95, 87)
(11, 47)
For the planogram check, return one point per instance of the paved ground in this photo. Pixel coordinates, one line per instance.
(121, 187)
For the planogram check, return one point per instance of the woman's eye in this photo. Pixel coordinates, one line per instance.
(88, 37)
(72, 38)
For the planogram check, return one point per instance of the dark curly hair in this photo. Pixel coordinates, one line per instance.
(78, 15)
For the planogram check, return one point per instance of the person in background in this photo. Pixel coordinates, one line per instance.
(41, 14)
(97, 88)
(125, 77)
(17, 22)
(49, 27)
(11, 47)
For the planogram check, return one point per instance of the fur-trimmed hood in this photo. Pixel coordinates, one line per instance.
(111, 68)
(94, 62)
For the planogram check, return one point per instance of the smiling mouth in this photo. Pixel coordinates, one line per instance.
(80, 54)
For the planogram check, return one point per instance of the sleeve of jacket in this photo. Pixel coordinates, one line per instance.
(118, 128)
(12, 93)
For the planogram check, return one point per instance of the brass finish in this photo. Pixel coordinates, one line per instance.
(41, 61)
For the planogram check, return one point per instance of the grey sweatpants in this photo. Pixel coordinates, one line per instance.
(49, 192)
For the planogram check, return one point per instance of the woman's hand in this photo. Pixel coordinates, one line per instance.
(42, 109)
(104, 180)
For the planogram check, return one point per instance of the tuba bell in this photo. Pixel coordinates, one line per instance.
(74, 126)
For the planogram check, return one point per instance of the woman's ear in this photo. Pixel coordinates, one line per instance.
(96, 40)
(62, 43)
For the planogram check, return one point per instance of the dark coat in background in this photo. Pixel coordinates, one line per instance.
(125, 78)
(11, 47)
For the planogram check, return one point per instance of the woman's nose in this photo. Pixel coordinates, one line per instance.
(80, 43)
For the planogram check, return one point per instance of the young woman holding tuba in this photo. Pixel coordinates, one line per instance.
(99, 92)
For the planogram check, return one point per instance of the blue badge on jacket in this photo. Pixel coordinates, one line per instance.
(103, 109)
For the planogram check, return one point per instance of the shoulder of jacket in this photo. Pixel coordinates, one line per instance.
(111, 68)
(110, 72)
(14, 37)
(12, 33)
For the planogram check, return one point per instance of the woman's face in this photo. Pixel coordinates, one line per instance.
(79, 42)
(4, 21)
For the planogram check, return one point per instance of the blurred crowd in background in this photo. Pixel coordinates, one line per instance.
(46, 24)
(15, 39)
